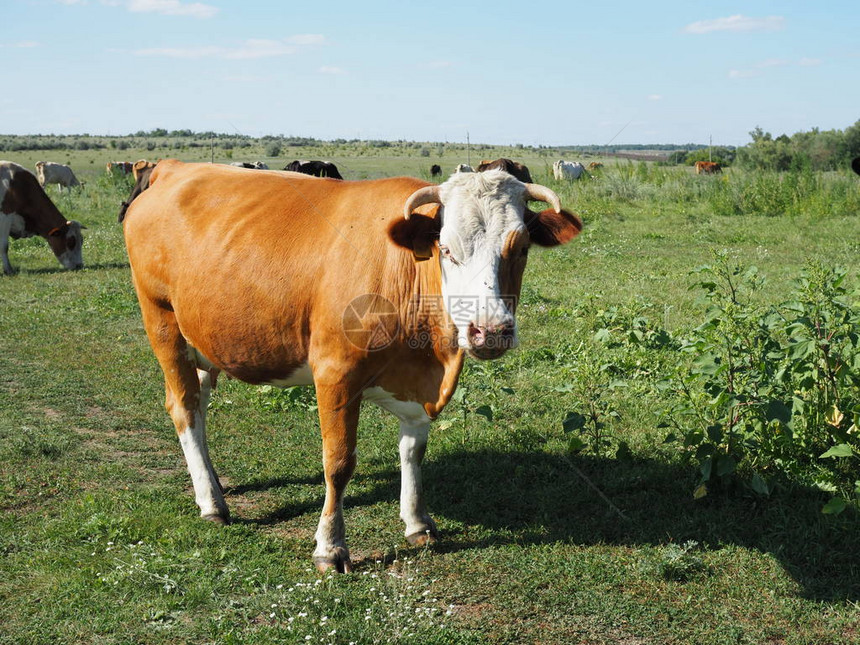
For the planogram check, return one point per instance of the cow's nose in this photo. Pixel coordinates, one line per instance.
(491, 341)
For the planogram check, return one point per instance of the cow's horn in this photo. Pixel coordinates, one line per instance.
(426, 195)
(540, 193)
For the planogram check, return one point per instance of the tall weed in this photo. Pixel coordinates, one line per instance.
(772, 389)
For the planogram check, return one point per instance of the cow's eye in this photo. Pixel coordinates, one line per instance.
(446, 253)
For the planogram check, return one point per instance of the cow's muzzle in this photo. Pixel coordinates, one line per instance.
(487, 343)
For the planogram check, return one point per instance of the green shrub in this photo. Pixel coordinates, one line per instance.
(771, 388)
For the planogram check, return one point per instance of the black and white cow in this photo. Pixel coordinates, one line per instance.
(315, 168)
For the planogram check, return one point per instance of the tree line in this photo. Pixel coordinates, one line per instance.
(815, 150)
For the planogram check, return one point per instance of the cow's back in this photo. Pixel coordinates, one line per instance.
(252, 262)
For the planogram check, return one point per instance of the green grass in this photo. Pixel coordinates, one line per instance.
(100, 540)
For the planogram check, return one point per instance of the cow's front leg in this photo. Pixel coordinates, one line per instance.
(420, 527)
(5, 228)
(338, 411)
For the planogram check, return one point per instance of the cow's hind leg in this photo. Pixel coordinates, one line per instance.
(338, 412)
(186, 397)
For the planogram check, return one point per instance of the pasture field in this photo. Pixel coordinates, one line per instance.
(553, 532)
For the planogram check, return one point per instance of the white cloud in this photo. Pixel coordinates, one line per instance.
(655, 97)
(70, 2)
(810, 62)
(259, 48)
(173, 8)
(178, 52)
(331, 70)
(250, 49)
(736, 23)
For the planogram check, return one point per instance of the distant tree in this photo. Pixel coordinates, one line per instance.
(273, 149)
(677, 157)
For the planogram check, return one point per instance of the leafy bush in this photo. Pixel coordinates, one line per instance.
(771, 388)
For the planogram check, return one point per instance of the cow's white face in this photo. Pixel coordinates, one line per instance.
(482, 247)
(484, 231)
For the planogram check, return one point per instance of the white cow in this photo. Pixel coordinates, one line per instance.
(567, 169)
(49, 172)
(258, 165)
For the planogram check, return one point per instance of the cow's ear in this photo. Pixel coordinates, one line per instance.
(418, 234)
(549, 228)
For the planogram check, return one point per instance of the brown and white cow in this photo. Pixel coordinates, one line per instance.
(370, 290)
(49, 172)
(515, 168)
(140, 166)
(708, 168)
(142, 171)
(120, 167)
(25, 210)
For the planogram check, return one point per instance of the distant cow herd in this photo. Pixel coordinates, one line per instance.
(27, 210)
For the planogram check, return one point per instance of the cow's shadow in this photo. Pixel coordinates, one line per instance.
(538, 498)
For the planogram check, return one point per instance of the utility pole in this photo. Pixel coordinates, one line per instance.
(468, 149)
(710, 141)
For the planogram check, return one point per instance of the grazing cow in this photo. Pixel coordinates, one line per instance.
(343, 297)
(25, 210)
(855, 165)
(124, 167)
(567, 170)
(595, 165)
(257, 165)
(141, 183)
(708, 168)
(314, 168)
(49, 172)
(435, 170)
(463, 167)
(514, 168)
(140, 166)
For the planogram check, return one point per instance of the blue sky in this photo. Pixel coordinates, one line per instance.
(550, 73)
